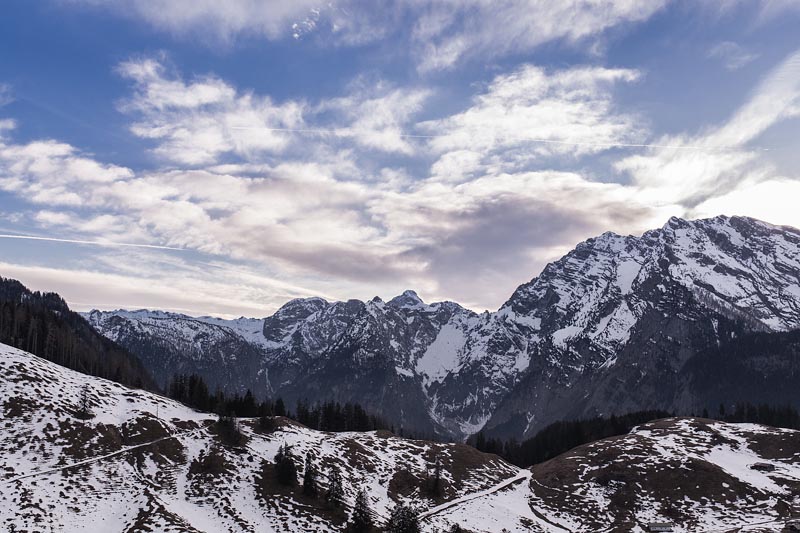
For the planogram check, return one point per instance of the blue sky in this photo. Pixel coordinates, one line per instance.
(224, 157)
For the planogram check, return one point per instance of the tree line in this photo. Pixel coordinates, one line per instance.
(560, 437)
(192, 390)
(784, 416)
(42, 324)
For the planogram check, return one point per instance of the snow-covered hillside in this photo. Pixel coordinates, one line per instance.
(558, 348)
(698, 475)
(146, 463)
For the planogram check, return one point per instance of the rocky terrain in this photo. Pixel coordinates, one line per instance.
(619, 324)
(81, 450)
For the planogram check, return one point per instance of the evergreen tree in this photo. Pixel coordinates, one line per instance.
(248, 408)
(404, 519)
(361, 521)
(436, 481)
(280, 407)
(229, 431)
(285, 468)
(84, 410)
(266, 424)
(455, 528)
(335, 494)
(310, 477)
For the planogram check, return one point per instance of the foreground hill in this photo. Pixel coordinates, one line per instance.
(619, 324)
(146, 463)
(143, 461)
(698, 475)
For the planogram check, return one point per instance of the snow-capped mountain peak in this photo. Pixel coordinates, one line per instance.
(409, 299)
(566, 337)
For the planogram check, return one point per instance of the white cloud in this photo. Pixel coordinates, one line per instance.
(377, 115)
(53, 172)
(223, 21)
(718, 160)
(765, 10)
(532, 113)
(6, 125)
(445, 32)
(732, 55)
(770, 9)
(451, 31)
(206, 120)
(199, 121)
(6, 96)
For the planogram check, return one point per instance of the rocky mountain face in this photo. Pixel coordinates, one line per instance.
(619, 324)
(81, 450)
(619, 319)
(226, 353)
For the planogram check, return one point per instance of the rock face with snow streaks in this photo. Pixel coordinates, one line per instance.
(619, 320)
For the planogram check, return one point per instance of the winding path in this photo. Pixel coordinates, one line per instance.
(91, 460)
(523, 475)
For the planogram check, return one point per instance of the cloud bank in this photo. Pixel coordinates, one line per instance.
(379, 188)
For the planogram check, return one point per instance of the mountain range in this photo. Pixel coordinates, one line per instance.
(682, 318)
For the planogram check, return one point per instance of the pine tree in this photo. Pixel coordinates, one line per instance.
(436, 481)
(266, 424)
(285, 468)
(229, 430)
(335, 494)
(361, 521)
(404, 519)
(84, 410)
(280, 407)
(310, 477)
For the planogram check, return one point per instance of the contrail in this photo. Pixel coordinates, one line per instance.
(345, 132)
(95, 243)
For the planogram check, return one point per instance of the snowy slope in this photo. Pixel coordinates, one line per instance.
(695, 474)
(144, 462)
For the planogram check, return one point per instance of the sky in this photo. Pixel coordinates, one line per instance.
(222, 158)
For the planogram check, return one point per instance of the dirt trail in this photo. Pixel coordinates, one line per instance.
(523, 475)
(98, 458)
